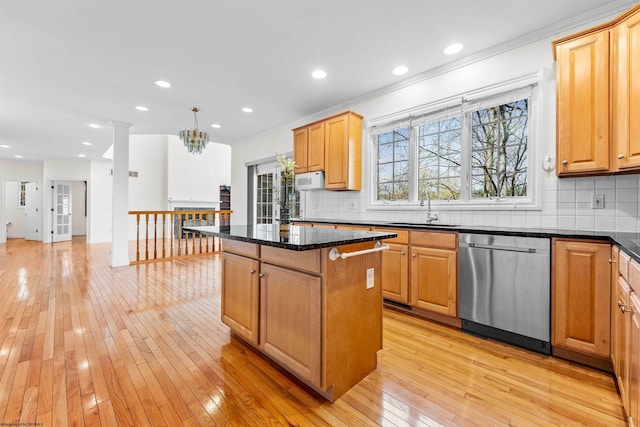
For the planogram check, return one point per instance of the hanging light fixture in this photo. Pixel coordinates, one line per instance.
(194, 139)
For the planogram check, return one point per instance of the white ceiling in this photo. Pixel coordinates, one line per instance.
(65, 64)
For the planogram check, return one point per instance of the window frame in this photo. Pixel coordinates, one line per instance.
(463, 104)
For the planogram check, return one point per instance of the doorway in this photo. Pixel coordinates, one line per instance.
(21, 216)
(68, 210)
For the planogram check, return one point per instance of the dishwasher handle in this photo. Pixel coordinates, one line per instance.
(502, 248)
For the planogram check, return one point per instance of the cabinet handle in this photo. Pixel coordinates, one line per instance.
(565, 162)
(620, 156)
(260, 275)
(623, 308)
(253, 271)
(401, 252)
(413, 255)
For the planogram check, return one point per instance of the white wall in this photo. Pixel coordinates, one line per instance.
(13, 214)
(197, 177)
(148, 157)
(563, 203)
(100, 187)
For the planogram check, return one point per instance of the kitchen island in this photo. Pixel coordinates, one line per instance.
(308, 298)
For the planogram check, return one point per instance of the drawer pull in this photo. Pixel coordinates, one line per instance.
(620, 156)
(565, 162)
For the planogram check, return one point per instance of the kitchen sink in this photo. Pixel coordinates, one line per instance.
(421, 224)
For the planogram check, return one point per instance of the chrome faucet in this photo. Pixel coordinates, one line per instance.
(431, 216)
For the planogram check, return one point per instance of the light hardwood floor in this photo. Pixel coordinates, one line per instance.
(82, 343)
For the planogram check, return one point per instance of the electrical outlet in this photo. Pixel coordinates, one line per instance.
(370, 278)
(598, 201)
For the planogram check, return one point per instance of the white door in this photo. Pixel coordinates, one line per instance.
(61, 211)
(31, 212)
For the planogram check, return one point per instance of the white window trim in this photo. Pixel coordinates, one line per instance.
(531, 202)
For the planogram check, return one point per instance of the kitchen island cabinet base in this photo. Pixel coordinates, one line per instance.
(318, 319)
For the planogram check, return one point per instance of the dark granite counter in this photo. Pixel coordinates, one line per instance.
(628, 242)
(292, 237)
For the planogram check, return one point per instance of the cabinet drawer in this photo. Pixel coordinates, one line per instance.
(623, 265)
(434, 239)
(241, 248)
(401, 239)
(298, 260)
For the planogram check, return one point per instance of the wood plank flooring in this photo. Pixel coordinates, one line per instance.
(82, 343)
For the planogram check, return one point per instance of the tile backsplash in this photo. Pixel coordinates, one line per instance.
(566, 204)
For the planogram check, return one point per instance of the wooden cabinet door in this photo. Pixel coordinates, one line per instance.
(337, 154)
(634, 362)
(581, 291)
(343, 152)
(395, 273)
(240, 295)
(434, 280)
(315, 147)
(300, 137)
(583, 105)
(626, 93)
(621, 337)
(290, 320)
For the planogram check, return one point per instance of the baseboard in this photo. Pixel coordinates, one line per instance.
(604, 364)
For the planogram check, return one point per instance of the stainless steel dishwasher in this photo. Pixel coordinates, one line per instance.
(504, 289)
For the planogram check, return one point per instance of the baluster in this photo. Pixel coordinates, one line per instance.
(146, 238)
(137, 237)
(155, 235)
(193, 237)
(179, 234)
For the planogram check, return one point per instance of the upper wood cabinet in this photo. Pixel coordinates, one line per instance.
(581, 292)
(308, 148)
(597, 97)
(333, 145)
(626, 93)
(583, 105)
(343, 152)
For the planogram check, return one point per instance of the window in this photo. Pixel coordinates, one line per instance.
(264, 199)
(467, 153)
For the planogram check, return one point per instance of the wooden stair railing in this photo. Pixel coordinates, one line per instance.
(160, 235)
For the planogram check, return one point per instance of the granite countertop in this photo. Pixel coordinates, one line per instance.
(293, 237)
(628, 242)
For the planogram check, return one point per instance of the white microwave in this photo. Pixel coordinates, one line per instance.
(310, 181)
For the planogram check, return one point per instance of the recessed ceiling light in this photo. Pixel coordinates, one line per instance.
(400, 70)
(141, 108)
(95, 126)
(162, 83)
(18, 156)
(319, 74)
(453, 48)
(5, 146)
(247, 110)
(86, 143)
(215, 125)
(81, 155)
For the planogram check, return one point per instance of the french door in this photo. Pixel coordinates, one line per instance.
(61, 230)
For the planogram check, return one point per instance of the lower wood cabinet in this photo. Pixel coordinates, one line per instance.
(290, 326)
(581, 290)
(434, 280)
(395, 273)
(240, 302)
(633, 397)
(318, 318)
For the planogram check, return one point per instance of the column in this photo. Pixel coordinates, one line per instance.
(120, 201)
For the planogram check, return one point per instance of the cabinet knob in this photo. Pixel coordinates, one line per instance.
(401, 252)
(260, 275)
(620, 156)
(253, 271)
(413, 255)
(565, 162)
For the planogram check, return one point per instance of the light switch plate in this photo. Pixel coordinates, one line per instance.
(370, 278)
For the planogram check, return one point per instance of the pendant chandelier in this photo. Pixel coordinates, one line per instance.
(194, 139)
